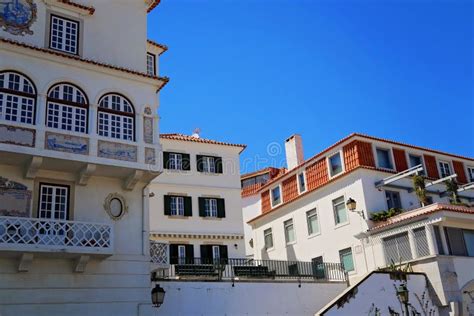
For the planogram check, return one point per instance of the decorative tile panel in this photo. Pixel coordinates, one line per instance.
(117, 151)
(15, 199)
(150, 156)
(67, 143)
(148, 130)
(17, 135)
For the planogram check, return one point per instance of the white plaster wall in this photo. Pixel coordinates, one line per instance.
(245, 298)
(105, 36)
(250, 209)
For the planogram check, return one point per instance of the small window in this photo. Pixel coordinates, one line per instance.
(64, 35)
(397, 248)
(340, 212)
(312, 220)
(421, 242)
(151, 64)
(116, 117)
(175, 161)
(276, 196)
(17, 98)
(248, 182)
(210, 207)
(268, 237)
(416, 160)
(289, 231)
(460, 241)
(393, 199)
(177, 205)
(54, 202)
(470, 174)
(347, 261)
(216, 252)
(181, 254)
(335, 164)
(209, 164)
(301, 182)
(384, 158)
(444, 169)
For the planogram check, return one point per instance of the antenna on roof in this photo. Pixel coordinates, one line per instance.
(196, 132)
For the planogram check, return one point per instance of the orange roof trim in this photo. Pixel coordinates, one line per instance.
(164, 80)
(182, 137)
(88, 9)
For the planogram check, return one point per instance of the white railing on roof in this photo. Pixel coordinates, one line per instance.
(46, 235)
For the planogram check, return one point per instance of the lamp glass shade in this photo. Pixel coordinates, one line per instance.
(157, 295)
(351, 204)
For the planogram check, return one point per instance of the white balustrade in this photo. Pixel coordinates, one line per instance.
(159, 253)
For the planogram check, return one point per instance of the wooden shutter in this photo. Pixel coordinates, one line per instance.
(206, 254)
(189, 253)
(218, 162)
(166, 160)
(223, 253)
(202, 205)
(188, 206)
(186, 161)
(173, 254)
(167, 204)
(220, 208)
(199, 163)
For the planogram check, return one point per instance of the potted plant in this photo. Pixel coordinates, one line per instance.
(452, 189)
(420, 189)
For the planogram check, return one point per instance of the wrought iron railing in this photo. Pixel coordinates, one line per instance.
(241, 269)
(22, 233)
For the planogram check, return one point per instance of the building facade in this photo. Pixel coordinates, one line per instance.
(196, 208)
(78, 146)
(304, 213)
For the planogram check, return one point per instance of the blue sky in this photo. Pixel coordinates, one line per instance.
(257, 71)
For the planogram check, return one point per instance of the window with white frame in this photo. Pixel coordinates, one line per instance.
(301, 182)
(384, 158)
(340, 211)
(210, 207)
(151, 64)
(416, 160)
(216, 253)
(116, 117)
(181, 254)
(177, 205)
(393, 199)
(444, 169)
(470, 174)
(312, 221)
(335, 164)
(175, 161)
(17, 98)
(208, 164)
(347, 261)
(64, 35)
(67, 108)
(276, 196)
(53, 202)
(289, 231)
(268, 238)
(397, 248)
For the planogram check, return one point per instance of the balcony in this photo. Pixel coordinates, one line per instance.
(240, 269)
(32, 235)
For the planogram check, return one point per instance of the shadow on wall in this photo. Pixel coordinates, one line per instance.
(290, 253)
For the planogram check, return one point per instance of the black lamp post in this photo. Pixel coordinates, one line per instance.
(403, 295)
(157, 295)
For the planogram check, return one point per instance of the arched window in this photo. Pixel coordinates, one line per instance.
(17, 98)
(67, 108)
(116, 117)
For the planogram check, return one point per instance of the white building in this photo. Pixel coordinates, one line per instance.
(196, 208)
(78, 146)
(303, 213)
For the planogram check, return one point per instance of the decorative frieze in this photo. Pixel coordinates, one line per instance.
(66, 143)
(17, 135)
(196, 236)
(117, 151)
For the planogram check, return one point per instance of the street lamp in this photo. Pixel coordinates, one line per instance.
(403, 295)
(157, 295)
(352, 205)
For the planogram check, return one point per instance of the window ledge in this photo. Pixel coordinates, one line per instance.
(210, 173)
(314, 235)
(270, 249)
(211, 218)
(178, 216)
(342, 225)
(290, 243)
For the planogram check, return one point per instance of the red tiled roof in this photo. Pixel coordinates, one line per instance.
(164, 80)
(275, 171)
(153, 5)
(182, 137)
(89, 9)
(423, 211)
(163, 47)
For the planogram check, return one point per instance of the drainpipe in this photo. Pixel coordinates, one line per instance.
(145, 221)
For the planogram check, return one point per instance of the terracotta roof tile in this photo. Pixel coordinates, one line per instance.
(164, 80)
(410, 215)
(89, 9)
(163, 47)
(182, 137)
(152, 5)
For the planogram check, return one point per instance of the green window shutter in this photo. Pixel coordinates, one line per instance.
(188, 206)
(199, 163)
(167, 203)
(218, 161)
(202, 211)
(166, 160)
(173, 254)
(189, 253)
(220, 208)
(186, 161)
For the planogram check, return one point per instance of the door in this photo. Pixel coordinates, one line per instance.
(318, 267)
(53, 206)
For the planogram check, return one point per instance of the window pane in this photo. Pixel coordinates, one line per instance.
(276, 199)
(383, 158)
(302, 184)
(346, 259)
(340, 213)
(469, 240)
(335, 164)
(267, 233)
(312, 219)
(393, 199)
(289, 231)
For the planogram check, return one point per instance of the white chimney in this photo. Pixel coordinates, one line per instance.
(294, 151)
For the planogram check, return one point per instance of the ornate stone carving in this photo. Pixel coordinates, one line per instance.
(17, 16)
